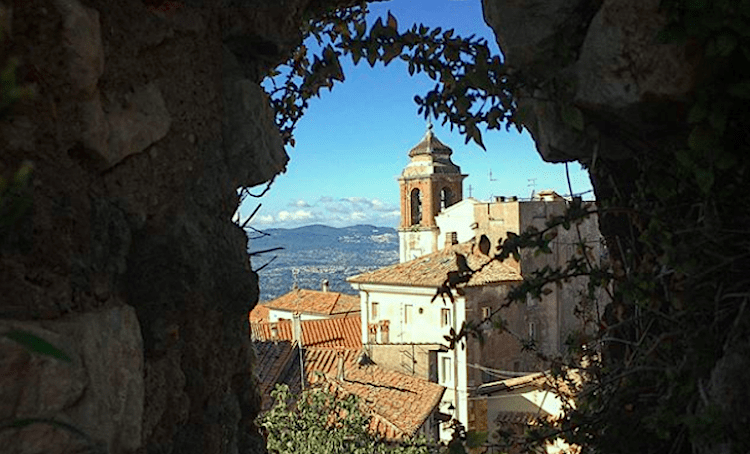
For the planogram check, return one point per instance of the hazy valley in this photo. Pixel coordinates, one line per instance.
(320, 252)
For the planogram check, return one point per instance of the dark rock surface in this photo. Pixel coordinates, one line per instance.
(148, 117)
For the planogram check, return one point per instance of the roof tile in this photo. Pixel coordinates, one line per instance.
(324, 333)
(432, 270)
(316, 302)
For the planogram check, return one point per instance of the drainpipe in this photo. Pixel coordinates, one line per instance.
(455, 362)
(297, 337)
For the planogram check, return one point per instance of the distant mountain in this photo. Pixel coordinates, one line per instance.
(320, 252)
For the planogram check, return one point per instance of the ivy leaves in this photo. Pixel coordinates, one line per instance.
(472, 89)
(320, 421)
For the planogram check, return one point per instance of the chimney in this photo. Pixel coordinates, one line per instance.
(297, 328)
(451, 238)
(324, 285)
(340, 371)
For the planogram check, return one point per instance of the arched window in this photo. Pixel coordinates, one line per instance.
(416, 206)
(446, 198)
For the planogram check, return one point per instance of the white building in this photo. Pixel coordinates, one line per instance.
(443, 236)
(404, 324)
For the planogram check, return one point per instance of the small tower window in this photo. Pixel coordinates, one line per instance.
(446, 198)
(416, 206)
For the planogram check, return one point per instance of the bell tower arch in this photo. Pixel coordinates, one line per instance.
(430, 183)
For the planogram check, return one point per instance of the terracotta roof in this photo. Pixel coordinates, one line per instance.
(325, 333)
(271, 360)
(259, 313)
(399, 403)
(315, 302)
(431, 270)
(317, 361)
(564, 386)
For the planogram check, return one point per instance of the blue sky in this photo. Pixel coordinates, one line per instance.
(353, 141)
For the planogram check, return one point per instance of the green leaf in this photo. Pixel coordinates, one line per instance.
(572, 116)
(475, 439)
(701, 139)
(37, 345)
(718, 119)
(697, 113)
(696, 4)
(672, 34)
(683, 157)
(704, 178)
(456, 447)
(740, 90)
(725, 44)
(392, 22)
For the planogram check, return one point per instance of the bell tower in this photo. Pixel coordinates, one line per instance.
(430, 183)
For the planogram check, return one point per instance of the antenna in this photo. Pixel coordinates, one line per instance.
(492, 179)
(532, 185)
(295, 273)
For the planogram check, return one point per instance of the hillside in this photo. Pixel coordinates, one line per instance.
(321, 252)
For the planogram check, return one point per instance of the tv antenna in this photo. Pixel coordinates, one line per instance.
(532, 185)
(492, 179)
(295, 273)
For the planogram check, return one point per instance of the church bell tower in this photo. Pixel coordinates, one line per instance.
(430, 183)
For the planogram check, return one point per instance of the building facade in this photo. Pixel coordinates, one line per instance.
(404, 321)
(430, 183)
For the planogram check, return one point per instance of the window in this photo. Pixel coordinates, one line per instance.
(445, 317)
(384, 338)
(408, 314)
(486, 312)
(532, 330)
(446, 370)
(374, 310)
(372, 333)
(416, 206)
(446, 198)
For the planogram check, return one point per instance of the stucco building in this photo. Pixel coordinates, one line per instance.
(443, 236)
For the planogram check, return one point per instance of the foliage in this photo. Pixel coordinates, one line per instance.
(471, 89)
(676, 288)
(318, 421)
(14, 198)
(36, 344)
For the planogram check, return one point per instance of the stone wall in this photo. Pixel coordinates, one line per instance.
(147, 118)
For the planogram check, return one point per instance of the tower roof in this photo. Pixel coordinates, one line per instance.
(430, 144)
(430, 156)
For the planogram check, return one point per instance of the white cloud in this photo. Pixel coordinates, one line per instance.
(299, 215)
(390, 214)
(357, 209)
(299, 204)
(356, 199)
(267, 219)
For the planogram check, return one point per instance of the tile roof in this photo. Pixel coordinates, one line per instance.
(564, 386)
(271, 359)
(315, 302)
(259, 313)
(325, 333)
(431, 270)
(399, 403)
